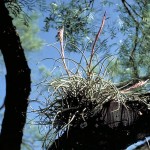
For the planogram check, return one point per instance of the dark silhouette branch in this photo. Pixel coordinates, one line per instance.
(135, 43)
(128, 11)
(132, 55)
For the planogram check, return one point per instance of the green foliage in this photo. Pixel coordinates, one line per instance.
(133, 55)
(26, 19)
(75, 16)
(44, 71)
(146, 27)
(17, 7)
(29, 34)
(26, 23)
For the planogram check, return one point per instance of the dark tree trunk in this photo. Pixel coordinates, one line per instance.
(17, 83)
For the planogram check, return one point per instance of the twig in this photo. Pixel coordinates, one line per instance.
(129, 12)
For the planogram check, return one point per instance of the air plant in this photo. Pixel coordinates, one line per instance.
(77, 96)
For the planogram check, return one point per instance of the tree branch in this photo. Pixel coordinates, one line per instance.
(17, 83)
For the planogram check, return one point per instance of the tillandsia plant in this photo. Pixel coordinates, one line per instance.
(77, 95)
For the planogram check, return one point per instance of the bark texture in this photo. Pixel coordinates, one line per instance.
(17, 83)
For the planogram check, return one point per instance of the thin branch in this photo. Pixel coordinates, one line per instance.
(126, 5)
(133, 10)
(135, 69)
(128, 11)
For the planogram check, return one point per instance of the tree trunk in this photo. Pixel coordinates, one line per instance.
(17, 83)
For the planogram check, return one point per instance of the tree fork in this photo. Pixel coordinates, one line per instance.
(17, 83)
